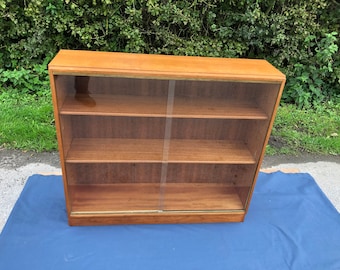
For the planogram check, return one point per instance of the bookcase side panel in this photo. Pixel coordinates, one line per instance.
(267, 96)
(64, 85)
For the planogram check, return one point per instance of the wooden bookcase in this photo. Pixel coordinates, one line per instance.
(161, 139)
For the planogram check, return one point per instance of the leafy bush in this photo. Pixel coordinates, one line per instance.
(32, 81)
(298, 37)
(313, 80)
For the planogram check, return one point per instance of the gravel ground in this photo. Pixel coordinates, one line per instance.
(16, 166)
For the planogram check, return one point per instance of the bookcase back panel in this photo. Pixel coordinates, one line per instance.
(110, 173)
(209, 173)
(116, 127)
(127, 86)
(217, 89)
(213, 129)
(113, 173)
(72, 85)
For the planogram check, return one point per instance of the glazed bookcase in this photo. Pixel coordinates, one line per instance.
(160, 139)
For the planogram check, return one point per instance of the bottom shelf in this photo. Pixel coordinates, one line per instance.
(152, 203)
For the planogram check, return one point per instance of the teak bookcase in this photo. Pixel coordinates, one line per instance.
(161, 139)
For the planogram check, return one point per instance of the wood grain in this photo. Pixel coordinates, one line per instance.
(146, 197)
(151, 151)
(146, 106)
(115, 105)
(163, 66)
(165, 217)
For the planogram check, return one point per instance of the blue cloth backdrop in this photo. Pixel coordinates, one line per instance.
(290, 225)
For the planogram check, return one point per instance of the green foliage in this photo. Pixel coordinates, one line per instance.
(26, 81)
(298, 37)
(314, 79)
(307, 130)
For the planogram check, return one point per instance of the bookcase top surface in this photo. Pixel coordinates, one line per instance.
(132, 65)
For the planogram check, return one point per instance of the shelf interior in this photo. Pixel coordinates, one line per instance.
(146, 197)
(156, 106)
(92, 150)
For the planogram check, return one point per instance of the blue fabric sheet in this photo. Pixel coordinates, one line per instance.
(290, 225)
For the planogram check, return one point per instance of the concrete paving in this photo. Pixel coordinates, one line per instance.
(13, 178)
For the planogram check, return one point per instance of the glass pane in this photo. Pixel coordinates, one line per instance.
(113, 131)
(208, 160)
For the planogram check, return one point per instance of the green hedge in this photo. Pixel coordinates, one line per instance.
(298, 37)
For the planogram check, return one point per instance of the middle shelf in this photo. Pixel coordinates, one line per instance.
(156, 106)
(107, 150)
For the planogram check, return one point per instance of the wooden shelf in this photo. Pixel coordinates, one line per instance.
(147, 106)
(216, 109)
(202, 196)
(146, 197)
(151, 151)
(115, 105)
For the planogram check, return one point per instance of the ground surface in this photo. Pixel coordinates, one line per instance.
(10, 159)
(16, 166)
